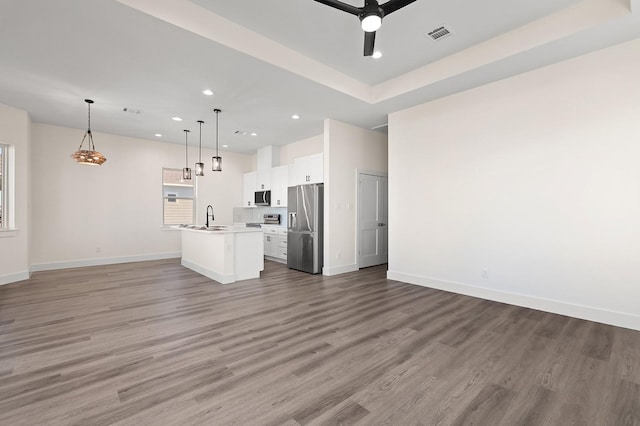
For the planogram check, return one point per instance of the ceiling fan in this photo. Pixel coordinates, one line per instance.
(370, 16)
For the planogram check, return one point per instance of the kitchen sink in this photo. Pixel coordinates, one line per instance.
(204, 228)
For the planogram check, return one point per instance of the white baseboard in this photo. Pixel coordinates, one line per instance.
(591, 313)
(222, 279)
(337, 270)
(12, 278)
(102, 261)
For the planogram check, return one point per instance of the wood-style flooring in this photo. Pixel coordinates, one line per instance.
(153, 343)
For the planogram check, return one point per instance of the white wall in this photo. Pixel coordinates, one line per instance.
(14, 244)
(302, 148)
(290, 152)
(535, 178)
(85, 215)
(347, 149)
(223, 190)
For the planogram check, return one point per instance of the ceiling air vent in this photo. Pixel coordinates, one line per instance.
(132, 110)
(439, 33)
(245, 133)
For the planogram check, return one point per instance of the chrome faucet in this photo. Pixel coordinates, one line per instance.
(212, 217)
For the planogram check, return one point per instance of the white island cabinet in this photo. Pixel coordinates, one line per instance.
(226, 254)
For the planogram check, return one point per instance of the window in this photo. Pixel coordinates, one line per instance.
(4, 184)
(177, 198)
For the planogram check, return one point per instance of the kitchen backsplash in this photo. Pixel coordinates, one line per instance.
(255, 214)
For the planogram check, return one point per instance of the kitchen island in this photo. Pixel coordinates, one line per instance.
(223, 253)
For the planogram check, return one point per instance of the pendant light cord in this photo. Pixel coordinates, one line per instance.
(200, 143)
(92, 147)
(186, 150)
(217, 113)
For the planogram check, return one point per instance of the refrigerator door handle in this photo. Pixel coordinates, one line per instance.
(292, 221)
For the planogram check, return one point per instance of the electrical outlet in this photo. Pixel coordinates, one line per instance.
(485, 273)
(98, 249)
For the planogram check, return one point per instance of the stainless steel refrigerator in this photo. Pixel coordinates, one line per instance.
(304, 222)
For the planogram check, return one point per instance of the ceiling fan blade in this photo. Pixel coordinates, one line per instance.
(393, 5)
(341, 6)
(369, 43)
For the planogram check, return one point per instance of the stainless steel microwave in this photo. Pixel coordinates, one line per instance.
(262, 198)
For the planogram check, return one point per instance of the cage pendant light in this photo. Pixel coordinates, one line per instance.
(186, 172)
(88, 156)
(200, 164)
(217, 160)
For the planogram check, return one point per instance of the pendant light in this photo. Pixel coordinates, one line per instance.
(186, 172)
(88, 156)
(200, 164)
(217, 160)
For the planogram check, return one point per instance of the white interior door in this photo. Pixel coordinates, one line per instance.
(372, 220)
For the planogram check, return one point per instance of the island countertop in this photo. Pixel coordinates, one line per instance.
(218, 229)
(224, 253)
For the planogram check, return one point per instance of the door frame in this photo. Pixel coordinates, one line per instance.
(359, 203)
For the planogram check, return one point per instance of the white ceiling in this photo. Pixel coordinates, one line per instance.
(266, 60)
(335, 38)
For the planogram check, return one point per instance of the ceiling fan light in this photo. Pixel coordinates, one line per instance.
(371, 22)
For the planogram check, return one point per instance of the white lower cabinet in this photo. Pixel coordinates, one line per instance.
(282, 244)
(275, 243)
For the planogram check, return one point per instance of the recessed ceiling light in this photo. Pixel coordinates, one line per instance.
(207, 92)
(158, 135)
(295, 116)
(254, 134)
(225, 146)
(176, 118)
(377, 54)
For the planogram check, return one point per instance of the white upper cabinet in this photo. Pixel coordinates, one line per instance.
(279, 185)
(309, 169)
(267, 157)
(277, 179)
(263, 180)
(248, 189)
